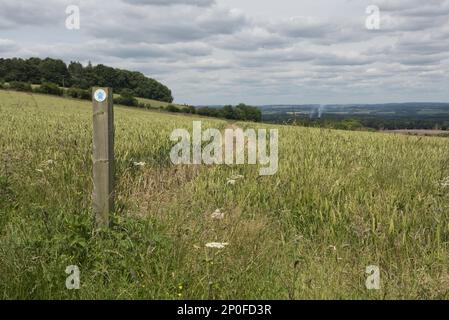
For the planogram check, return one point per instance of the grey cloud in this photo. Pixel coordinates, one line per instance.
(320, 31)
(249, 39)
(300, 27)
(301, 54)
(420, 59)
(7, 45)
(200, 3)
(164, 25)
(342, 60)
(146, 51)
(14, 13)
(415, 7)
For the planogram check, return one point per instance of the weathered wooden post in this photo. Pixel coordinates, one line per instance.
(103, 155)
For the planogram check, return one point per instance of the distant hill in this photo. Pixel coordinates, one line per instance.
(413, 115)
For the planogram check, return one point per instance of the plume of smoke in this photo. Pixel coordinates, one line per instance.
(317, 111)
(321, 110)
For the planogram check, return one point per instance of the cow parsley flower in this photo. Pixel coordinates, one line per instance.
(445, 182)
(217, 215)
(217, 245)
(139, 164)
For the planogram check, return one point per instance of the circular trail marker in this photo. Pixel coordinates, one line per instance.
(100, 95)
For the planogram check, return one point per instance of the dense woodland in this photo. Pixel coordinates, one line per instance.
(38, 71)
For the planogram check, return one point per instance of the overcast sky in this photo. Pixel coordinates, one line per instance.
(252, 51)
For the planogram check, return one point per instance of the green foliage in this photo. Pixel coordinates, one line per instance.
(248, 113)
(229, 112)
(144, 105)
(78, 93)
(349, 124)
(37, 71)
(126, 98)
(20, 86)
(240, 112)
(49, 88)
(209, 112)
(171, 108)
(188, 109)
(51, 70)
(20, 70)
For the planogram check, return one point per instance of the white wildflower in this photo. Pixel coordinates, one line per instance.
(445, 182)
(139, 164)
(233, 179)
(218, 215)
(217, 245)
(48, 163)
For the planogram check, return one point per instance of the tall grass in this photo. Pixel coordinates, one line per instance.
(341, 201)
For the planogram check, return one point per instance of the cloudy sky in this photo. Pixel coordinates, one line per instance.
(253, 51)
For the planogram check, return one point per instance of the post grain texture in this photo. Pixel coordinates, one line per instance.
(103, 155)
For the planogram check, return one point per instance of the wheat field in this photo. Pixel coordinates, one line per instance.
(341, 201)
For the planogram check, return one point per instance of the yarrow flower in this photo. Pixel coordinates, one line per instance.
(233, 179)
(445, 182)
(217, 215)
(139, 164)
(217, 245)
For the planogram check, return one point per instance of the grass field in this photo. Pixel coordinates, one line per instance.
(340, 202)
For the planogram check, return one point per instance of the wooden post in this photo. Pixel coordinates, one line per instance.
(103, 155)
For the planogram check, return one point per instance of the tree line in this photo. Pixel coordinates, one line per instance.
(241, 112)
(75, 75)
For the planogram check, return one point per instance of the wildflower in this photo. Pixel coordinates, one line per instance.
(139, 164)
(50, 162)
(217, 245)
(445, 182)
(233, 179)
(217, 215)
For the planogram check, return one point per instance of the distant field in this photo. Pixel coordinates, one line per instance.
(340, 202)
